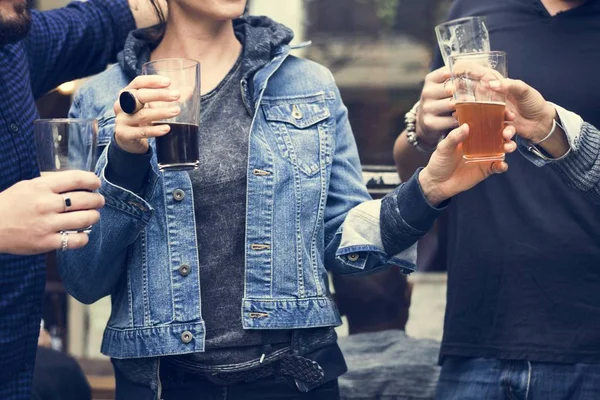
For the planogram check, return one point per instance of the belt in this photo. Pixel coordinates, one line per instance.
(293, 366)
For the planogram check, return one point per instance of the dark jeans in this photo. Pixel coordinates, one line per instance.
(489, 379)
(270, 388)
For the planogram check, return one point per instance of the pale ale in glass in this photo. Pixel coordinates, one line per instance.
(477, 105)
(486, 122)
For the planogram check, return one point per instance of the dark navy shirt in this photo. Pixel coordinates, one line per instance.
(63, 45)
(523, 248)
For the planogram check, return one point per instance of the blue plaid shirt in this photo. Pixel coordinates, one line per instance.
(64, 44)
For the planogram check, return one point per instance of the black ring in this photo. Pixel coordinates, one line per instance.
(67, 202)
(128, 102)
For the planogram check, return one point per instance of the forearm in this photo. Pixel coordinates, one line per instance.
(407, 158)
(92, 272)
(407, 214)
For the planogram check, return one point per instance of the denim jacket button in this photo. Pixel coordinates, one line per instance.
(178, 194)
(353, 257)
(184, 270)
(296, 113)
(186, 337)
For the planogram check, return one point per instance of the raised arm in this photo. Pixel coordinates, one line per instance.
(80, 39)
(363, 234)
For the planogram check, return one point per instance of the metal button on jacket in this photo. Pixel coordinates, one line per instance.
(178, 194)
(353, 257)
(186, 337)
(184, 270)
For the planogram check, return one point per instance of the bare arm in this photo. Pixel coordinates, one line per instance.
(434, 119)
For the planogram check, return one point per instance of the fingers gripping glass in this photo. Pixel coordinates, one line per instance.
(66, 144)
(179, 149)
(477, 105)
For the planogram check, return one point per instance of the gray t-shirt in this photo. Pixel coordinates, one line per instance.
(219, 187)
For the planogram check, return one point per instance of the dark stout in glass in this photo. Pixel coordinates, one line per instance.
(179, 149)
(486, 123)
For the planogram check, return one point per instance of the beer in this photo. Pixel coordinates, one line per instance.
(179, 149)
(486, 123)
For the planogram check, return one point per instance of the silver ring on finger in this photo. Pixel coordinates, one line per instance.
(66, 202)
(64, 236)
(129, 103)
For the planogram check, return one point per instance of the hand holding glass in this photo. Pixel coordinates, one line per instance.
(179, 149)
(66, 144)
(477, 105)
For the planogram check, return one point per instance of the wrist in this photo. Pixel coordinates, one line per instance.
(431, 189)
(427, 140)
(546, 123)
(132, 148)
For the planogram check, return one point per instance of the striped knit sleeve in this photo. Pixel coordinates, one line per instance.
(581, 169)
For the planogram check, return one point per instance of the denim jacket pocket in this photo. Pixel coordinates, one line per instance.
(301, 131)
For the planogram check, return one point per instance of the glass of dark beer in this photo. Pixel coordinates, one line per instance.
(66, 144)
(477, 105)
(179, 149)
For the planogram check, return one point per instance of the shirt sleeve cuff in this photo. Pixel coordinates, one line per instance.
(572, 125)
(414, 207)
(127, 170)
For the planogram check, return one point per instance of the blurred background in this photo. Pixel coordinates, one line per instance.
(379, 52)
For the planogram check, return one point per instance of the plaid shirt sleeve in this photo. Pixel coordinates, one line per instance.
(75, 41)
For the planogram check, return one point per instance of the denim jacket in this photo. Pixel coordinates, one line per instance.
(308, 212)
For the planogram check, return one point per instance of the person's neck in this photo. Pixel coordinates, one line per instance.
(557, 6)
(212, 43)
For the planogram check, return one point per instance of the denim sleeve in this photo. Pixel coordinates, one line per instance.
(75, 41)
(93, 271)
(353, 233)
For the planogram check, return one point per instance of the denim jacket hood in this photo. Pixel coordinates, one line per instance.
(308, 212)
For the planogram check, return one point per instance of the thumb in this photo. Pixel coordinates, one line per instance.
(455, 137)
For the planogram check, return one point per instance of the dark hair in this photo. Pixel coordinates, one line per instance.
(159, 11)
(373, 302)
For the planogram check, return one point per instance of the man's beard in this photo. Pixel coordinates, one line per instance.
(15, 27)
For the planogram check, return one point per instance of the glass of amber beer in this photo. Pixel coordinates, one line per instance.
(477, 105)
